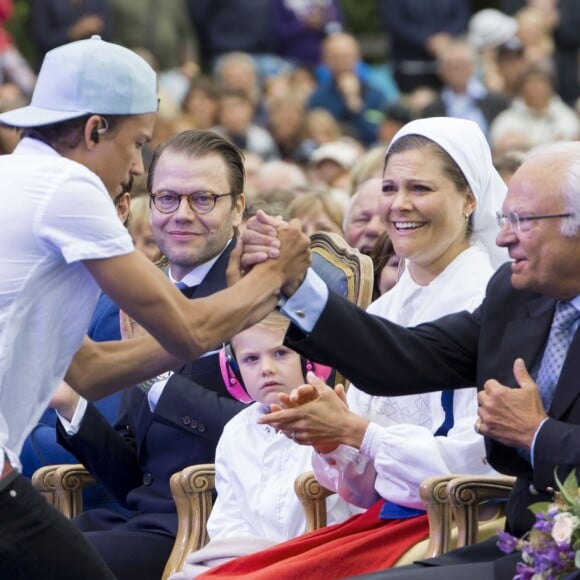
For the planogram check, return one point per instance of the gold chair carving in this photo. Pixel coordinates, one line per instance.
(476, 511)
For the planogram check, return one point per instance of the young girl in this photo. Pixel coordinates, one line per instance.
(256, 466)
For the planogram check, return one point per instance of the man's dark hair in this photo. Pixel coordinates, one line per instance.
(196, 143)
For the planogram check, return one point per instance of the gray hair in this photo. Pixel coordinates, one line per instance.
(571, 195)
(570, 182)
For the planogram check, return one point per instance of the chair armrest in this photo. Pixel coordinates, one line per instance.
(192, 489)
(312, 496)
(43, 481)
(69, 483)
(433, 492)
(466, 496)
(62, 486)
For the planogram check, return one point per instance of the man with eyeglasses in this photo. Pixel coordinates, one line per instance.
(520, 347)
(92, 111)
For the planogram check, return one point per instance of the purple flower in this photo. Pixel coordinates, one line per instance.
(506, 542)
(523, 572)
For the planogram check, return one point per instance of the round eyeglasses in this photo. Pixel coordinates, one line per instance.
(518, 223)
(199, 202)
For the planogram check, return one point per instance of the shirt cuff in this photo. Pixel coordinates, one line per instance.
(305, 306)
(72, 427)
(534, 441)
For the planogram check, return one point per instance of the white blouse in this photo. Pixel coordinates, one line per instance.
(399, 449)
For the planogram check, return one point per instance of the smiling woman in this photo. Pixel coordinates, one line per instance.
(440, 195)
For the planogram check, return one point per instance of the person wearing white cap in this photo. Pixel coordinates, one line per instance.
(92, 111)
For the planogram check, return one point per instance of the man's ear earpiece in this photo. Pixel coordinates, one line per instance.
(96, 132)
(95, 135)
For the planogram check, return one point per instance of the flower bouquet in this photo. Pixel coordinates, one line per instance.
(551, 548)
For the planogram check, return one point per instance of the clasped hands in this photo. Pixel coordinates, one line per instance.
(268, 237)
(318, 415)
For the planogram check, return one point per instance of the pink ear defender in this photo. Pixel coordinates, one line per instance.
(321, 371)
(233, 379)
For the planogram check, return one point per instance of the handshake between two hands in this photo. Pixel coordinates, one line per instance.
(271, 238)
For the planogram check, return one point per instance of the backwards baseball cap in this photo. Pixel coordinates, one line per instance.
(88, 77)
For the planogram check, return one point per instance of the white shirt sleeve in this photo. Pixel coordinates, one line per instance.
(79, 218)
(305, 306)
(72, 427)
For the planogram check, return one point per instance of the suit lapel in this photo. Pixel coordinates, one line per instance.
(525, 338)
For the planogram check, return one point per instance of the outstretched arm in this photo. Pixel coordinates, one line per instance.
(185, 328)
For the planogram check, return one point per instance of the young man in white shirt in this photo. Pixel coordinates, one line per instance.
(92, 111)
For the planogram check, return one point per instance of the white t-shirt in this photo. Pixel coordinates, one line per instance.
(54, 213)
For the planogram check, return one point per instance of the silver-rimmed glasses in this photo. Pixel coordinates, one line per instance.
(199, 202)
(518, 223)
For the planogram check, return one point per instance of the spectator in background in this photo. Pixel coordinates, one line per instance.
(370, 164)
(322, 127)
(507, 164)
(139, 226)
(395, 116)
(201, 103)
(14, 67)
(463, 95)
(363, 223)
(238, 71)
(387, 266)
(300, 26)
(11, 97)
(564, 16)
(164, 29)
(225, 26)
(535, 30)
(318, 211)
(331, 163)
(419, 29)
(56, 22)
(511, 65)
(236, 111)
(287, 116)
(276, 176)
(537, 116)
(303, 82)
(487, 30)
(351, 99)
(567, 41)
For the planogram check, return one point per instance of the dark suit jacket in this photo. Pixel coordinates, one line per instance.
(382, 358)
(135, 458)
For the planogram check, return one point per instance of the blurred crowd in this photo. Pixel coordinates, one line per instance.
(287, 82)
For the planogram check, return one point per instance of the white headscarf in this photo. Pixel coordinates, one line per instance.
(465, 143)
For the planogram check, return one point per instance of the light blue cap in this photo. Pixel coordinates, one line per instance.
(89, 76)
